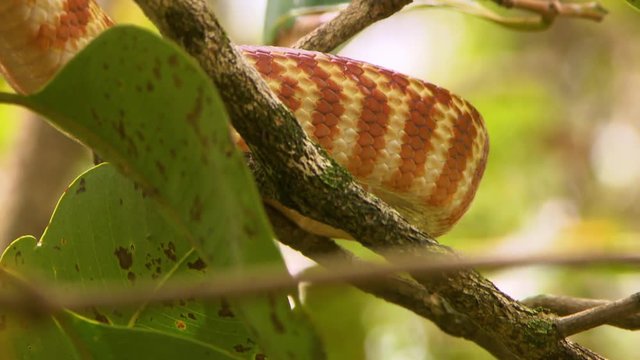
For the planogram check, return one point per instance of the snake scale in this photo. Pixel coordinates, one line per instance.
(415, 145)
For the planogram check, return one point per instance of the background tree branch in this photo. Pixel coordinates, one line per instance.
(41, 165)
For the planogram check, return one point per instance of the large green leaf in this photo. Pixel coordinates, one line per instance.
(104, 233)
(147, 107)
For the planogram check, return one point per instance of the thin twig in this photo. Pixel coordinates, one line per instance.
(588, 319)
(567, 305)
(527, 22)
(350, 21)
(266, 278)
(29, 297)
(550, 9)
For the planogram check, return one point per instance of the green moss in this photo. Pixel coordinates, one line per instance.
(539, 331)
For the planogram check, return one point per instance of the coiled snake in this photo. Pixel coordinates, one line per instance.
(415, 145)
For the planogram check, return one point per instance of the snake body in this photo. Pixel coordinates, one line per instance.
(415, 145)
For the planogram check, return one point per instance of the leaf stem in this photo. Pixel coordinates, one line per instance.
(14, 99)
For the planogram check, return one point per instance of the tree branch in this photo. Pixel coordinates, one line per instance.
(307, 180)
(590, 318)
(357, 16)
(545, 12)
(395, 289)
(566, 305)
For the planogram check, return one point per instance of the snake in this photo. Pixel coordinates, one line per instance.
(415, 145)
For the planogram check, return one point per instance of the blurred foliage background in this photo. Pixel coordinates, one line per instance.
(563, 111)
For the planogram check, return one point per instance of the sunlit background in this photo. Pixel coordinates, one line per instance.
(563, 111)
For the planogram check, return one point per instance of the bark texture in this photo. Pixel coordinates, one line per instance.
(300, 175)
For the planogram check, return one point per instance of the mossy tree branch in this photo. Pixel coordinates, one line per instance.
(399, 290)
(304, 178)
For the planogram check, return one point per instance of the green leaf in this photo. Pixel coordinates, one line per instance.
(104, 233)
(634, 3)
(338, 313)
(71, 337)
(280, 14)
(147, 107)
(28, 338)
(117, 342)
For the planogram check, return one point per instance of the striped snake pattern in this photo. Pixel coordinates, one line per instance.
(415, 145)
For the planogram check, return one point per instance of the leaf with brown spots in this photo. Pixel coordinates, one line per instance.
(87, 242)
(125, 258)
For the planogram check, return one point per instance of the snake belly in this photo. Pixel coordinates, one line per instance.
(415, 145)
